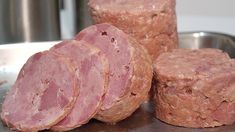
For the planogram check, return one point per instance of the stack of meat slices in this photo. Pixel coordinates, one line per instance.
(102, 73)
(52, 85)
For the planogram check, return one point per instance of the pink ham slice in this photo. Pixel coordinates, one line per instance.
(112, 43)
(93, 76)
(44, 93)
(130, 72)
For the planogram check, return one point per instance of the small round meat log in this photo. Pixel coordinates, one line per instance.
(151, 22)
(92, 73)
(195, 88)
(130, 71)
(43, 94)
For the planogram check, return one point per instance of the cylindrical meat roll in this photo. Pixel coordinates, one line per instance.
(195, 88)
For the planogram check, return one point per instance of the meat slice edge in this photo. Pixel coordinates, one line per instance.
(44, 93)
(113, 43)
(138, 64)
(92, 67)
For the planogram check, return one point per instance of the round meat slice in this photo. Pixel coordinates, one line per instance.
(195, 88)
(93, 76)
(43, 94)
(130, 71)
(151, 22)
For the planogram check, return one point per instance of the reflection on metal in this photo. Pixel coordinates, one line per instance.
(83, 17)
(29, 20)
(75, 16)
(67, 18)
(195, 40)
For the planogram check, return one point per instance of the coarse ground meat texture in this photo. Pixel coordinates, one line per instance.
(92, 67)
(43, 94)
(151, 22)
(130, 71)
(195, 88)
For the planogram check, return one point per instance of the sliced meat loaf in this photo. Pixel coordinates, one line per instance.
(43, 94)
(195, 88)
(151, 22)
(92, 73)
(130, 71)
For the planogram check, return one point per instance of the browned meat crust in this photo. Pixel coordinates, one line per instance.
(195, 88)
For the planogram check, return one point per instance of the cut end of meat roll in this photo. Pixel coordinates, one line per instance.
(130, 71)
(195, 88)
(92, 73)
(114, 44)
(44, 93)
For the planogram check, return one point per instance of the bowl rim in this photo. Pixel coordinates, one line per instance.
(206, 33)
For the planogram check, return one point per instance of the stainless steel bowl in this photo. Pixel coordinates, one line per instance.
(29, 21)
(196, 40)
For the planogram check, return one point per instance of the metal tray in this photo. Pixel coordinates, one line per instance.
(13, 56)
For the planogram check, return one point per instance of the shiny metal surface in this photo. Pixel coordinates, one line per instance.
(29, 20)
(83, 18)
(195, 40)
(74, 17)
(12, 57)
